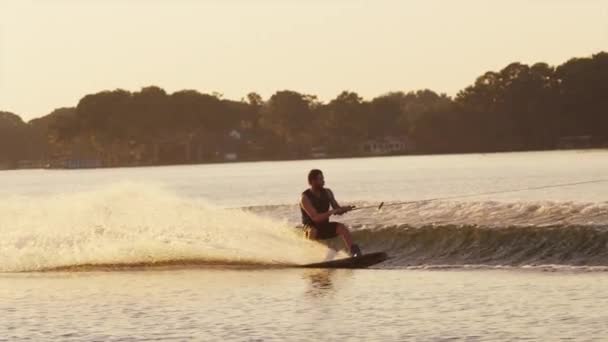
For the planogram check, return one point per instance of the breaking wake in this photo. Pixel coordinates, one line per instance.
(135, 225)
(479, 234)
(504, 246)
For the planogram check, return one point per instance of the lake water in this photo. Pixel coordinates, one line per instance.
(203, 252)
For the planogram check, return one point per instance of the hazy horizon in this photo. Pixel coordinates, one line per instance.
(54, 52)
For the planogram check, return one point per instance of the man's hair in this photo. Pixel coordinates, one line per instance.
(313, 174)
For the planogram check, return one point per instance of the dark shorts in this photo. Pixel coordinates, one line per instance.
(326, 230)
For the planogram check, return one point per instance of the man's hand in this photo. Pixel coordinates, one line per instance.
(343, 210)
(350, 207)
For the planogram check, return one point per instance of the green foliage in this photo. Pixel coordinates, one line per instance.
(520, 107)
(12, 138)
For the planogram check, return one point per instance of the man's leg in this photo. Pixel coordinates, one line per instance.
(348, 240)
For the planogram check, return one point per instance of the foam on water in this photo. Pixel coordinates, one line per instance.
(141, 224)
(479, 233)
(134, 223)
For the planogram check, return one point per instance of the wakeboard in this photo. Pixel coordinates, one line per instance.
(363, 261)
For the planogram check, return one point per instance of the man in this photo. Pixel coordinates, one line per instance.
(314, 206)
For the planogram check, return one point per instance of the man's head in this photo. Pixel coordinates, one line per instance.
(315, 179)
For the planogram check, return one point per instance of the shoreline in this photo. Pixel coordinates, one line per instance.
(247, 161)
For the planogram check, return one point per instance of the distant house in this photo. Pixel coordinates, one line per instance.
(72, 163)
(82, 163)
(231, 156)
(234, 134)
(318, 152)
(387, 145)
(231, 144)
(29, 164)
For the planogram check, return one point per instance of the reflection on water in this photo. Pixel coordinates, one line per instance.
(303, 305)
(321, 284)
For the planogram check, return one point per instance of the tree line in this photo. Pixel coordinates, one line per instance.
(521, 107)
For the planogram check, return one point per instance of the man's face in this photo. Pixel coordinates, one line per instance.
(318, 182)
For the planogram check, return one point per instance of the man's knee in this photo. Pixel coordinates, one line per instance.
(341, 229)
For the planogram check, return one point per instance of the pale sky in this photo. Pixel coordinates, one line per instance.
(53, 52)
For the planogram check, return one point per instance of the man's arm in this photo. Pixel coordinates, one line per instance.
(336, 205)
(312, 212)
(332, 199)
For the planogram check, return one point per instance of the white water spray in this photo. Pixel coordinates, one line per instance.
(139, 224)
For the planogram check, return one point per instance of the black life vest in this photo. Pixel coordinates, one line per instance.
(320, 203)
